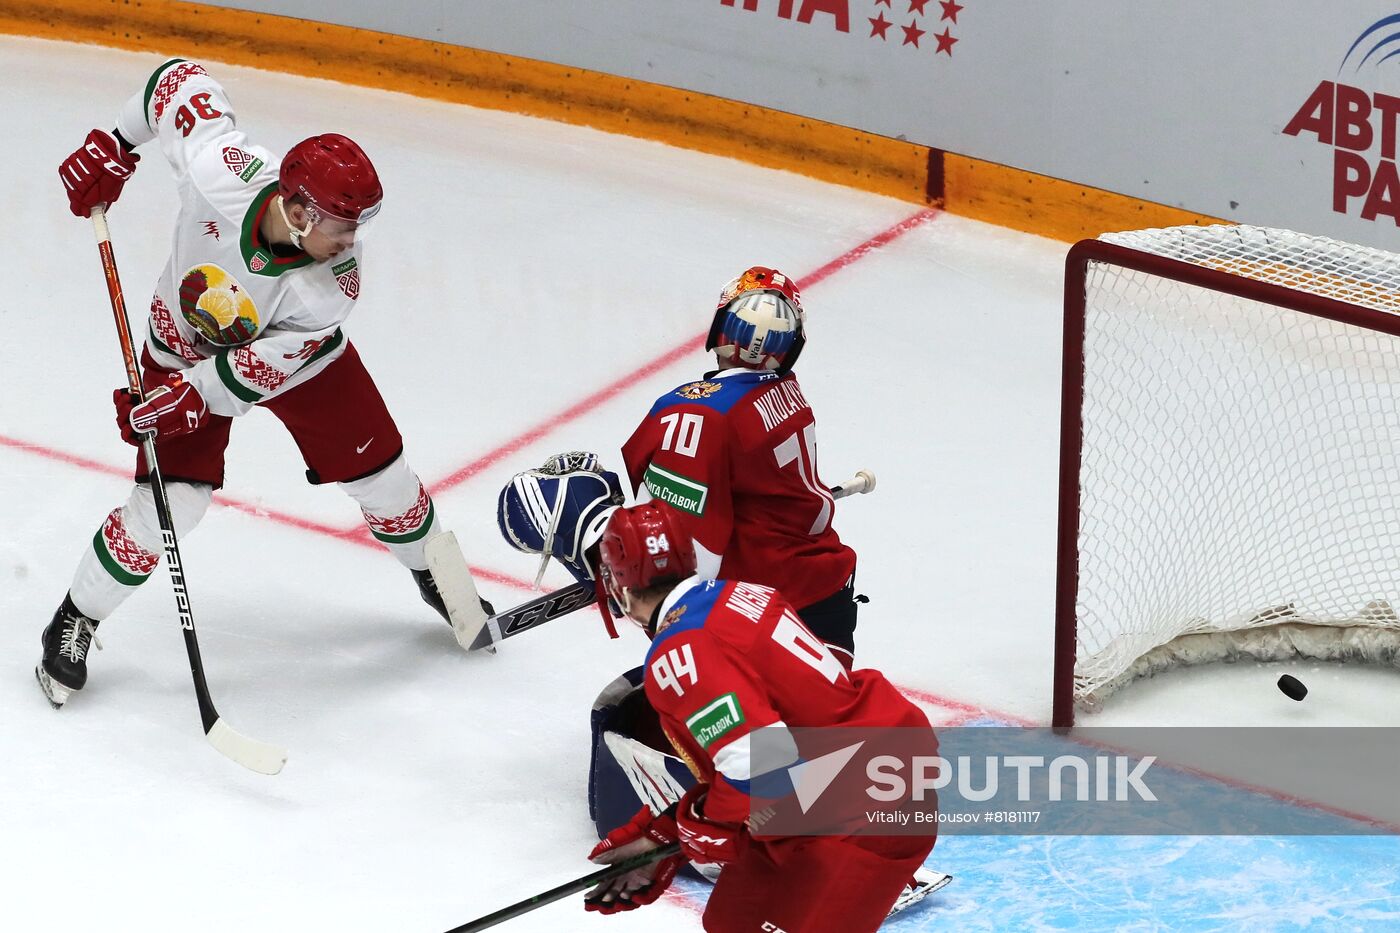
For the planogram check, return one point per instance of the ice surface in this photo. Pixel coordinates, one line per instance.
(519, 267)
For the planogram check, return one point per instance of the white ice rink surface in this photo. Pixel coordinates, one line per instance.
(519, 267)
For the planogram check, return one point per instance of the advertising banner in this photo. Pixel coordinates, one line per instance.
(1280, 113)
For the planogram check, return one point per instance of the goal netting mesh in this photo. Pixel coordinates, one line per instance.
(1239, 471)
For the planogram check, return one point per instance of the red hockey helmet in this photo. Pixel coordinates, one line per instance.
(644, 545)
(333, 176)
(759, 321)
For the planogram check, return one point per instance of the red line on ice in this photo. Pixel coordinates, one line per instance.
(359, 534)
(612, 389)
(248, 508)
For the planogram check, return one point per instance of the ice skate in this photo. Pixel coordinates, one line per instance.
(923, 884)
(428, 589)
(63, 668)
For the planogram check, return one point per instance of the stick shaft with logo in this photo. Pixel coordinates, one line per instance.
(576, 886)
(250, 753)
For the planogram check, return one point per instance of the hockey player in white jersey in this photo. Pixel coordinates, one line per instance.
(264, 268)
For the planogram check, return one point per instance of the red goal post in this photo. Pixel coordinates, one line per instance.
(1229, 455)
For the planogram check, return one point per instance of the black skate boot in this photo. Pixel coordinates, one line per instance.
(63, 668)
(428, 589)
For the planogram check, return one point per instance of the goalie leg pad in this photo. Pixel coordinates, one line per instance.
(631, 763)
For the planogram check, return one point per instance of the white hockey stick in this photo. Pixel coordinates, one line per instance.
(862, 482)
(454, 581)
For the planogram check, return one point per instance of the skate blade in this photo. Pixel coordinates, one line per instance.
(925, 883)
(56, 693)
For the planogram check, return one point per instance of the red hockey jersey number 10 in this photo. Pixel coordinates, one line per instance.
(801, 449)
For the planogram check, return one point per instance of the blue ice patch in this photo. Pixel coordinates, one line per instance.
(1255, 884)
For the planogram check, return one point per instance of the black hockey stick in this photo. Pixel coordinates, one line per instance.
(561, 602)
(250, 753)
(564, 890)
(536, 612)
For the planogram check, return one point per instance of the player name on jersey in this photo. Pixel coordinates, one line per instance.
(780, 403)
(749, 600)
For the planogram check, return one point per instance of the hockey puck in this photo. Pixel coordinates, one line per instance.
(1292, 687)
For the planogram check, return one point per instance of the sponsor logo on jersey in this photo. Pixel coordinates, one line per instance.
(675, 490)
(699, 390)
(215, 305)
(243, 164)
(716, 719)
(348, 278)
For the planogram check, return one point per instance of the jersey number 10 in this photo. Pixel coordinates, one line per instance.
(801, 449)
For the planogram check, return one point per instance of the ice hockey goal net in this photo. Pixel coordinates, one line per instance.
(1230, 454)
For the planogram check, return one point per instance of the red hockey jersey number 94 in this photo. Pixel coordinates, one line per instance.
(736, 455)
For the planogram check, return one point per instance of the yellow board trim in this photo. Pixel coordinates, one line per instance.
(772, 139)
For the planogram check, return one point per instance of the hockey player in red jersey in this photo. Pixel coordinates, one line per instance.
(264, 268)
(735, 453)
(740, 646)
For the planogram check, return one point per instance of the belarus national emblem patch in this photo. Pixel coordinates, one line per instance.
(213, 303)
(699, 390)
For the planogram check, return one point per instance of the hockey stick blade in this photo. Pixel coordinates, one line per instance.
(250, 753)
(862, 482)
(537, 611)
(454, 581)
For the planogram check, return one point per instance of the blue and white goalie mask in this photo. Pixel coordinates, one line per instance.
(559, 510)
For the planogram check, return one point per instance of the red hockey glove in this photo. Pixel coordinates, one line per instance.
(169, 411)
(95, 173)
(642, 885)
(702, 840)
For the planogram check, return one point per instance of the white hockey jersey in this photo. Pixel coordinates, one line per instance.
(244, 324)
